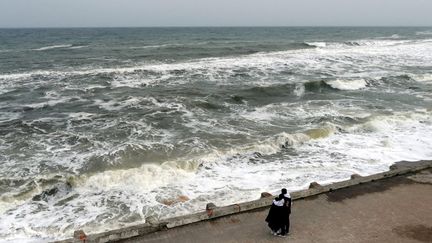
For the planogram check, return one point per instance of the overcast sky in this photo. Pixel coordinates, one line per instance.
(115, 13)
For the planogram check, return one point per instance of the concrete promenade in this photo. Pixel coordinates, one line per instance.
(395, 209)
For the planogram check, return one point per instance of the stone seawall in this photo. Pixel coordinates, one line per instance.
(212, 211)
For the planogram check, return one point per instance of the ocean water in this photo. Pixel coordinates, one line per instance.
(101, 128)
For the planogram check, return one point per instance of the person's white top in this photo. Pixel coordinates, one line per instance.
(279, 203)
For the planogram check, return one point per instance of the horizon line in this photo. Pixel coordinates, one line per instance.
(220, 26)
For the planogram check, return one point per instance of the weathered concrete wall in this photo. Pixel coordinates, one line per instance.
(212, 211)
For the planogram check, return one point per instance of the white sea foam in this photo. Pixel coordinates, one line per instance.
(50, 102)
(118, 196)
(332, 58)
(392, 138)
(428, 32)
(378, 43)
(115, 105)
(9, 116)
(347, 84)
(317, 44)
(394, 36)
(154, 46)
(132, 81)
(77, 47)
(146, 178)
(53, 47)
(422, 77)
(299, 90)
(359, 152)
(81, 115)
(142, 190)
(17, 76)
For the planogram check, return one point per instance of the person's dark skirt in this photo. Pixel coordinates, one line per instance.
(274, 218)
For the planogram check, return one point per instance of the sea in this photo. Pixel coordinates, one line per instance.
(101, 128)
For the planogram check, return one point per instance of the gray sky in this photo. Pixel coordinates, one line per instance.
(113, 13)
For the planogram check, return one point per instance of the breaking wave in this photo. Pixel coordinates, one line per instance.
(103, 139)
(254, 66)
(422, 77)
(424, 32)
(316, 44)
(347, 84)
(52, 47)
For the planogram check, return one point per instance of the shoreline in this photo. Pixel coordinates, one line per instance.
(213, 211)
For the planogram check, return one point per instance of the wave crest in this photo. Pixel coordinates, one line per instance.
(347, 84)
(427, 32)
(53, 47)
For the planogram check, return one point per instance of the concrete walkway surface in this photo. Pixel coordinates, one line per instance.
(397, 209)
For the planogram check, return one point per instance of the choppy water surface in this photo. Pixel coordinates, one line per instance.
(100, 128)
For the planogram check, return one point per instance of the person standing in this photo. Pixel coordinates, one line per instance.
(285, 212)
(274, 217)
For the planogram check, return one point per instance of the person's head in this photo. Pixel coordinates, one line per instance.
(284, 191)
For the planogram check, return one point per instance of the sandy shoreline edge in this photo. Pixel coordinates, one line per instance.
(212, 211)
